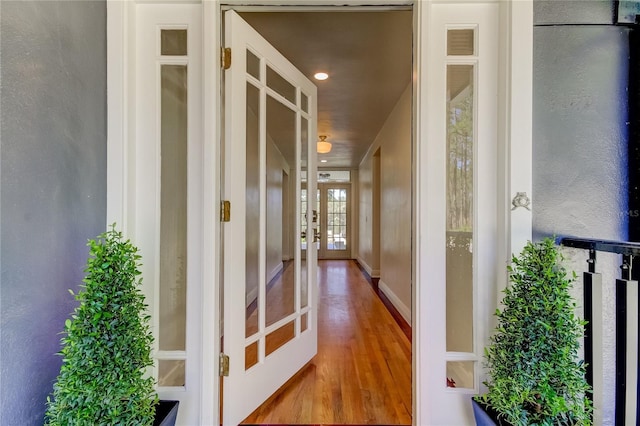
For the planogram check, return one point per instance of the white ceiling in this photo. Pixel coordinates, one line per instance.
(368, 56)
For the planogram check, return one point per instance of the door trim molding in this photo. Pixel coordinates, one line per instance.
(211, 301)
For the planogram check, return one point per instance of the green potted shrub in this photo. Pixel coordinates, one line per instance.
(534, 374)
(106, 344)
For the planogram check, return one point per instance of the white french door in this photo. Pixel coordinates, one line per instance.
(335, 220)
(270, 296)
(166, 193)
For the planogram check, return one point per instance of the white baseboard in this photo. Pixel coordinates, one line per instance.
(373, 273)
(275, 271)
(253, 294)
(395, 301)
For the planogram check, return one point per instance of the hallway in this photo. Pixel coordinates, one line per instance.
(362, 372)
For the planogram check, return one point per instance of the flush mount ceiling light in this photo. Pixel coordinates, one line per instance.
(322, 146)
(321, 76)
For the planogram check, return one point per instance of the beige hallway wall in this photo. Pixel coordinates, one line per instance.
(394, 141)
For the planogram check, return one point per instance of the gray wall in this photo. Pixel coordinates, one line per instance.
(580, 138)
(52, 185)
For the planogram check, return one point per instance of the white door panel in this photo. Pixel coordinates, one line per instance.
(270, 295)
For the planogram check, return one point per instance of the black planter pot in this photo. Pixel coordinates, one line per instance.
(166, 413)
(485, 416)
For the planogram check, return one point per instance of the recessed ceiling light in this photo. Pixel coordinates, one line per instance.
(321, 76)
(323, 161)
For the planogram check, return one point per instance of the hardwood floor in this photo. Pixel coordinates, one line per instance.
(362, 372)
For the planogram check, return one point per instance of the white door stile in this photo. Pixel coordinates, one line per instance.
(211, 232)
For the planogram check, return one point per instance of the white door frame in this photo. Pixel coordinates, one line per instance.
(515, 127)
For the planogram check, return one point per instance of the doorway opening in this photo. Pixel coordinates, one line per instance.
(364, 105)
(375, 215)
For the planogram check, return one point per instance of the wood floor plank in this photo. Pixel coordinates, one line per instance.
(362, 372)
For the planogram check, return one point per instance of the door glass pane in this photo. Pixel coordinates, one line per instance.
(318, 222)
(303, 219)
(304, 322)
(173, 205)
(279, 337)
(280, 85)
(460, 42)
(461, 374)
(253, 65)
(252, 215)
(460, 184)
(336, 219)
(250, 355)
(280, 153)
(171, 372)
(304, 293)
(173, 42)
(304, 102)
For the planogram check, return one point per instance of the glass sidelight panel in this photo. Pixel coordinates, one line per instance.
(173, 205)
(461, 374)
(252, 216)
(173, 42)
(280, 153)
(459, 205)
(460, 42)
(171, 372)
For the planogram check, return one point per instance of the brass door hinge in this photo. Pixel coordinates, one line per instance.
(226, 57)
(224, 365)
(225, 211)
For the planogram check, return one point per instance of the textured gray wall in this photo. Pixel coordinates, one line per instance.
(52, 185)
(580, 138)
